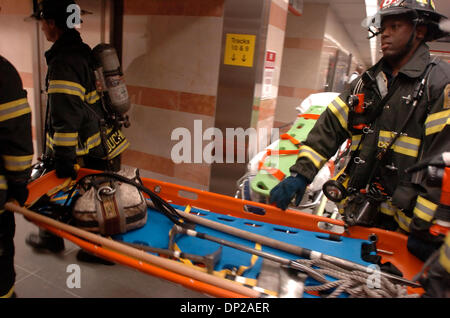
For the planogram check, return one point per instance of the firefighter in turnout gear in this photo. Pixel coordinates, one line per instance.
(396, 114)
(77, 127)
(16, 150)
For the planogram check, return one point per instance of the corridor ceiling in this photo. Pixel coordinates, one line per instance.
(352, 12)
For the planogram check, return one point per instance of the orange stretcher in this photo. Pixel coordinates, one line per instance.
(393, 244)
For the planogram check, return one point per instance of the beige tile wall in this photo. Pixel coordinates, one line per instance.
(171, 59)
(307, 50)
(264, 109)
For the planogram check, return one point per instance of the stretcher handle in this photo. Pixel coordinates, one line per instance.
(167, 264)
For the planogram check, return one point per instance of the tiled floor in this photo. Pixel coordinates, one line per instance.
(45, 275)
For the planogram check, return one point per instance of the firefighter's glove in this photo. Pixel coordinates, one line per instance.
(283, 193)
(65, 169)
(18, 192)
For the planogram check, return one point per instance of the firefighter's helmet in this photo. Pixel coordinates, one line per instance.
(420, 12)
(57, 10)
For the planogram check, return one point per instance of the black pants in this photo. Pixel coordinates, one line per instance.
(7, 231)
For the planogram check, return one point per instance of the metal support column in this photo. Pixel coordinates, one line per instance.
(236, 88)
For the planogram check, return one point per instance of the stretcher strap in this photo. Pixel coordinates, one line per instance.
(277, 173)
(309, 116)
(292, 139)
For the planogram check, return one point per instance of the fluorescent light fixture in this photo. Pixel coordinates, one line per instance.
(371, 10)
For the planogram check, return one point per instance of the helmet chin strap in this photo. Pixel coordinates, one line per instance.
(413, 33)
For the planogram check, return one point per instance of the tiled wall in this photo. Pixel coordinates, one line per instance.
(307, 51)
(265, 107)
(171, 56)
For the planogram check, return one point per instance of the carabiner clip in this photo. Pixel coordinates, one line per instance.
(106, 190)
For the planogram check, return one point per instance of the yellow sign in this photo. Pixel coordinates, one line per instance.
(239, 49)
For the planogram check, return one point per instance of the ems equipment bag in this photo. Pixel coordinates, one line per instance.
(109, 206)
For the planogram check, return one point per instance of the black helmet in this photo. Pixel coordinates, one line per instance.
(57, 10)
(420, 11)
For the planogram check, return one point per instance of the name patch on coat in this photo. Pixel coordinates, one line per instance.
(114, 140)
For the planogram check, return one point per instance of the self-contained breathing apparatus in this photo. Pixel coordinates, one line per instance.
(110, 84)
(356, 186)
(113, 93)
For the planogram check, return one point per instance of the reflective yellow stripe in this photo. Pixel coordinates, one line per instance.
(119, 150)
(312, 155)
(92, 97)
(67, 83)
(9, 293)
(400, 217)
(436, 122)
(402, 220)
(65, 139)
(404, 145)
(49, 142)
(355, 142)
(425, 209)
(14, 109)
(92, 142)
(3, 183)
(66, 87)
(17, 163)
(387, 208)
(340, 110)
(69, 140)
(444, 257)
